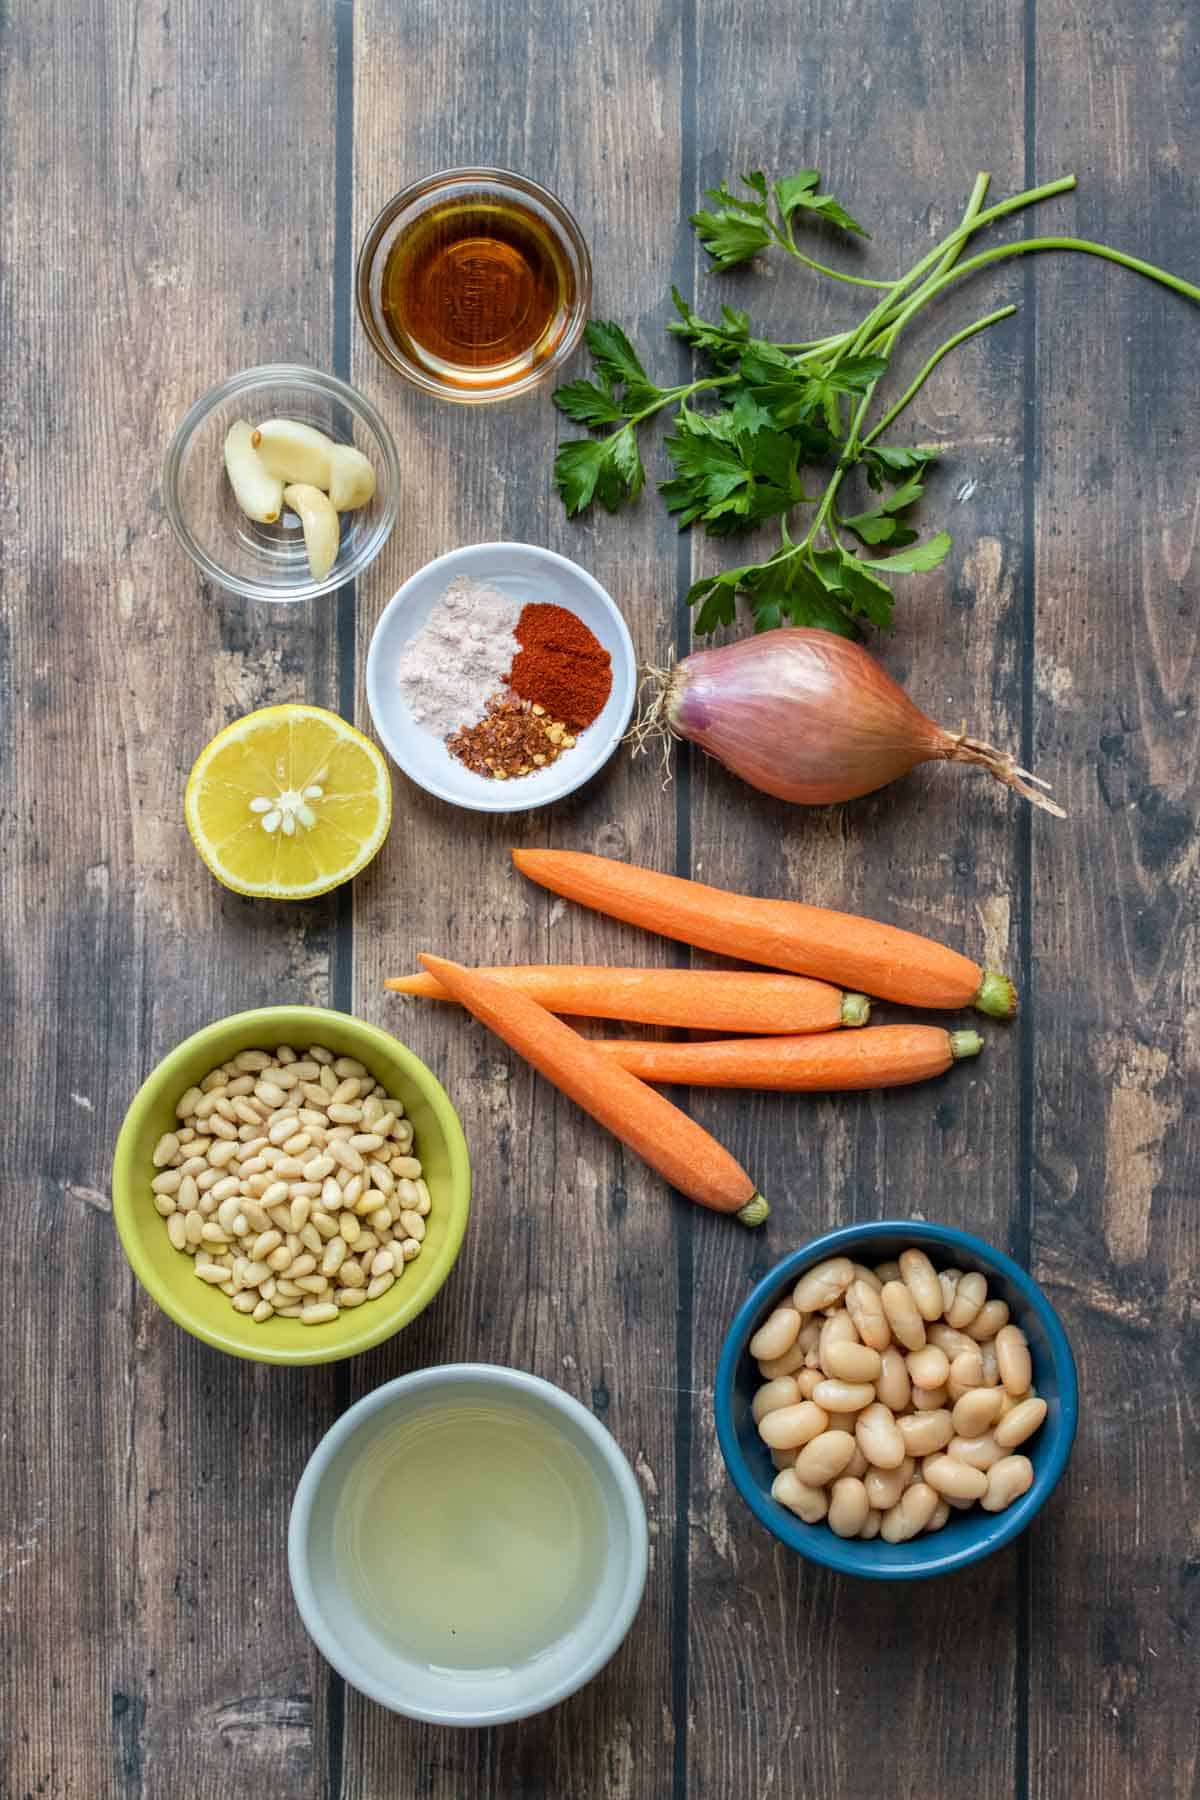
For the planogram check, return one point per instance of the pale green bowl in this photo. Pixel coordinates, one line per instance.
(166, 1273)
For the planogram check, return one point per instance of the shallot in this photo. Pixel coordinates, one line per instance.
(810, 717)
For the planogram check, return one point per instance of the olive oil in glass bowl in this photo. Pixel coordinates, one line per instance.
(474, 284)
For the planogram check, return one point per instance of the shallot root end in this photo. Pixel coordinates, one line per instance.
(998, 763)
(652, 725)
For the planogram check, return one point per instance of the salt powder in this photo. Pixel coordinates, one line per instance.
(460, 657)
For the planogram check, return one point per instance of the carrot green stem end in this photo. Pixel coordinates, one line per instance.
(997, 996)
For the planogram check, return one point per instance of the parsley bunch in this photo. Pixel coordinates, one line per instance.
(746, 434)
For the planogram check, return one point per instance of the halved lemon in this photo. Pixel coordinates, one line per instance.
(288, 802)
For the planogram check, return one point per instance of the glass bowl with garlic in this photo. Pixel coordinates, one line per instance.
(282, 483)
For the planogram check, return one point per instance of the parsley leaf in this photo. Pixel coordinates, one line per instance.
(796, 193)
(889, 462)
(728, 477)
(607, 469)
(922, 556)
(612, 352)
(588, 404)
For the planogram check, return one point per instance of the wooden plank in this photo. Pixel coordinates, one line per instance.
(1113, 1577)
(799, 1683)
(153, 241)
(569, 1264)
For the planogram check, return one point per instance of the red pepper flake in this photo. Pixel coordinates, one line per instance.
(561, 665)
(513, 738)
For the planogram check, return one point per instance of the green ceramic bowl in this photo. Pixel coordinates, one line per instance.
(166, 1274)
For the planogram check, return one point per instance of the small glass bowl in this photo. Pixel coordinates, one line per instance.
(471, 386)
(269, 562)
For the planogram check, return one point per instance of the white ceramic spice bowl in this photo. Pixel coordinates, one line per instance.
(530, 574)
(471, 1697)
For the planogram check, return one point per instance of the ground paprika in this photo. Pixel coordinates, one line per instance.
(561, 665)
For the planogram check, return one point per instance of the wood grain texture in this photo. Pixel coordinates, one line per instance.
(150, 1645)
(152, 242)
(1115, 1575)
(801, 1684)
(569, 1265)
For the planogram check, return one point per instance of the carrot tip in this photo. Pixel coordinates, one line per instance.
(755, 1211)
(997, 996)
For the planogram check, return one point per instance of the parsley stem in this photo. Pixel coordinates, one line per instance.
(884, 313)
(951, 343)
(837, 274)
(668, 396)
(1023, 245)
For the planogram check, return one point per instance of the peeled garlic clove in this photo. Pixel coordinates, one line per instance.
(257, 491)
(351, 478)
(320, 522)
(293, 451)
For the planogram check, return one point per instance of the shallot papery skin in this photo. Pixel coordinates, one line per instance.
(810, 717)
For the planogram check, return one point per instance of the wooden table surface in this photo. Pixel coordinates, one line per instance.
(183, 189)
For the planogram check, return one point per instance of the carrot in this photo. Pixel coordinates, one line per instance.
(703, 999)
(883, 1056)
(783, 934)
(681, 1151)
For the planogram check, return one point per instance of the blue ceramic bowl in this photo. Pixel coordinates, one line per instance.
(967, 1537)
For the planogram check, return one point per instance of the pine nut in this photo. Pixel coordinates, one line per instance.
(318, 1315)
(236, 1184)
(334, 1257)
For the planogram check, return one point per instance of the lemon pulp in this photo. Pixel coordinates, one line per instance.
(288, 802)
